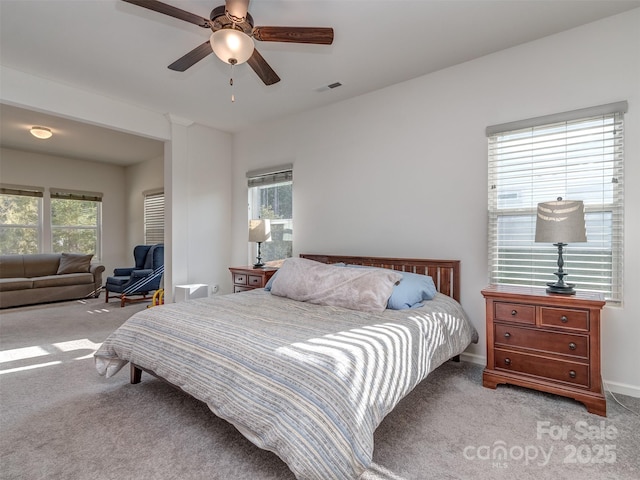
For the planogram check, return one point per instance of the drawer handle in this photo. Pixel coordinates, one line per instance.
(507, 361)
(514, 313)
(564, 319)
(572, 346)
(507, 335)
(572, 373)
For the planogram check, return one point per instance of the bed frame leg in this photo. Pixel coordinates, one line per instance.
(456, 358)
(136, 374)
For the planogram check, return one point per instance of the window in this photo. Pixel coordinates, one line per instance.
(271, 196)
(153, 217)
(577, 156)
(20, 225)
(75, 222)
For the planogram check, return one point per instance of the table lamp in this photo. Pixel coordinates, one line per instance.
(561, 222)
(259, 231)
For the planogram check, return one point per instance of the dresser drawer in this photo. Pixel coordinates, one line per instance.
(514, 312)
(541, 340)
(248, 277)
(240, 278)
(546, 368)
(239, 288)
(565, 318)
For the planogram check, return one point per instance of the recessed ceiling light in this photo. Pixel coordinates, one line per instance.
(41, 132)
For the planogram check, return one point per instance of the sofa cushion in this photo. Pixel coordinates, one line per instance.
(9, 284)
(40, 264)
(11, 266)
(62, 280)
(74, 263)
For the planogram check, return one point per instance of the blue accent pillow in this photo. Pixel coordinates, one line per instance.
(412, 290)
(267, 287)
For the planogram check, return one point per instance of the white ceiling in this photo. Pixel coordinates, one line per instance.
(122, 51)
(73, 139)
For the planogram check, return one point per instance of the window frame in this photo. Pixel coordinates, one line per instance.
(46, 228)
(538, 261)
(81, 196)
(269, 177)
(32, 192)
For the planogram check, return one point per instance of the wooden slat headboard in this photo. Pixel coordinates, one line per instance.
(445, 273)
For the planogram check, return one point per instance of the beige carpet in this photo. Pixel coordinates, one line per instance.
(60, 420)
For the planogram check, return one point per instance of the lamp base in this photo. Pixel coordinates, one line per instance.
(259, 263)
(561, 287)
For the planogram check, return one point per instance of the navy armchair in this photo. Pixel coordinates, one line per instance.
(141, 279)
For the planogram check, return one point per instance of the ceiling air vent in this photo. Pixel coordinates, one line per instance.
(331, 86)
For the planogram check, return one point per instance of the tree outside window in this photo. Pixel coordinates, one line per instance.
(19, 224)
(74, 226)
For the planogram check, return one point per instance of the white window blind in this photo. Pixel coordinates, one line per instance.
(153, 218)
(577, 156)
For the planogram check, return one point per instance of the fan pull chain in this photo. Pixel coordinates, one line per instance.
(233, 97)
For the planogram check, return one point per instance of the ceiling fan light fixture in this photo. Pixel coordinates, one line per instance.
(41, 132)
(232, 46)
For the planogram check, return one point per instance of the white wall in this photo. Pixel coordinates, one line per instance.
(198, 197)
(403, 171)
(33, 169)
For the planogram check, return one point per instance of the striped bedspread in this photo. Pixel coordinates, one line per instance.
(310, 383)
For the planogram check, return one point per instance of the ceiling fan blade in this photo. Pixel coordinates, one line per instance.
(191, 58)
(172, 12)
(317, 35)
(237, 9)
(262, 68)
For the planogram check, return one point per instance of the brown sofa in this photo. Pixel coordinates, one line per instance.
(47, 277)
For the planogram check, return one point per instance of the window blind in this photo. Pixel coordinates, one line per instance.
(75, 195)
(154, 218)
(270, 176)
(576, 159)
(22, 191)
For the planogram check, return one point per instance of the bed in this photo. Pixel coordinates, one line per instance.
(306, 380)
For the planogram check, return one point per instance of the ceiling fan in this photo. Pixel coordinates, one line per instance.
(233, 36)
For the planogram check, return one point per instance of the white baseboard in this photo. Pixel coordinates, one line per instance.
(615, 387)
(622, 388)
(473, 358)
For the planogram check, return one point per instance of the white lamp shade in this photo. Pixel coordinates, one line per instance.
(561, 221)
(259, 230)
(231, 46)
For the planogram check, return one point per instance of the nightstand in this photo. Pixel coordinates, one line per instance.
(248, 278)
(544, 341)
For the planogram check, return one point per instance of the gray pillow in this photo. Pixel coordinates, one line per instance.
(74, 263)
(364, 289)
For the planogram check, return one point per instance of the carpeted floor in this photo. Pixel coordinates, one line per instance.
(60, 420)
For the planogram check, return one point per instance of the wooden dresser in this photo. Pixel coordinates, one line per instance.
(544, 341)
(248, 278)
